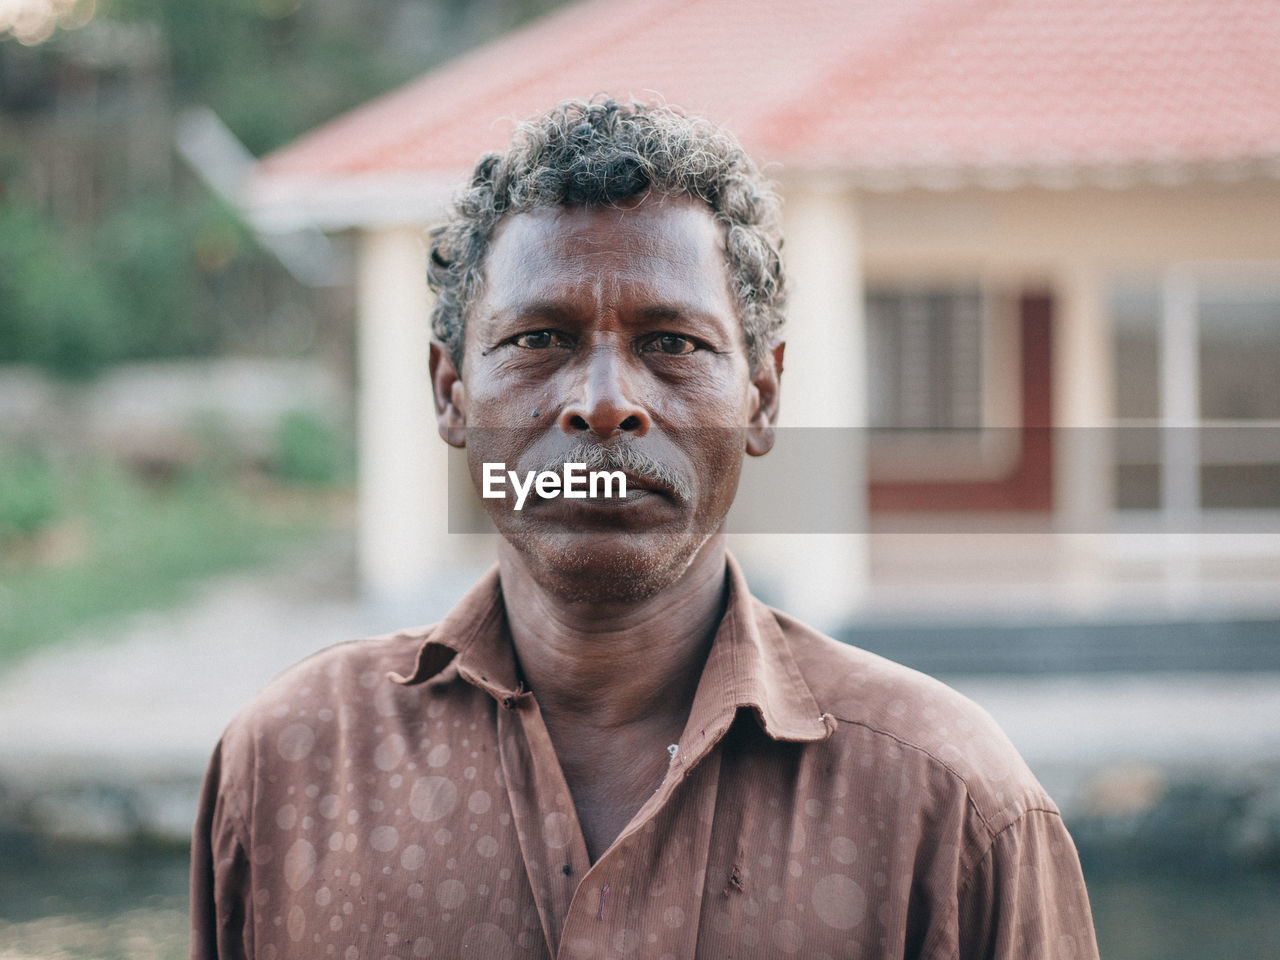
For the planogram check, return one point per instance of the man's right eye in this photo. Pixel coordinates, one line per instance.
(539, 339)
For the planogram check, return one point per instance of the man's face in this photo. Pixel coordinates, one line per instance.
(613, 328)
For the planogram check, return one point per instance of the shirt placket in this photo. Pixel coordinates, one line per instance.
(551, 841)
(643, 897)
(649, 880)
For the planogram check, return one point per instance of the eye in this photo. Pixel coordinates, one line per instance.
(540, 339)
(672, 344)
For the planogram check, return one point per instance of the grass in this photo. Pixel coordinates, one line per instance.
(122, 546)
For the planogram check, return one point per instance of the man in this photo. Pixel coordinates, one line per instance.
(609, 748)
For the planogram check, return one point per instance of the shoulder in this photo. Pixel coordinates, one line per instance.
(874, 699)
(332, 691)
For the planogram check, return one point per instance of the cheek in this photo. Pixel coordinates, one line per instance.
(506, 405)
(511, 391)
(492, 437)
(711, 397)
(717, 456)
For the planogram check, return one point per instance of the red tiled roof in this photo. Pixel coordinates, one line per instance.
(1058, 82)
(895, 91)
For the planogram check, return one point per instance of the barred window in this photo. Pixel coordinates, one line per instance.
(924, 348)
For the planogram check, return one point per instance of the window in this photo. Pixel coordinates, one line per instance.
(1229, 349)
(943, 382)
(924, 349)
(1239, 354)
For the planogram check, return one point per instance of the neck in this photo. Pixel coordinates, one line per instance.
(613, 664)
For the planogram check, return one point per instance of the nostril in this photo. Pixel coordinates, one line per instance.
(631, 423)
(578, 423)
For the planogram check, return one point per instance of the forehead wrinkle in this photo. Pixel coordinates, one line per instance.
(605, 292)
(597, 294)
(560, 254)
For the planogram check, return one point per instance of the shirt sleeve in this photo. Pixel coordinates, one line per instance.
(1026, 897)
(220, 907)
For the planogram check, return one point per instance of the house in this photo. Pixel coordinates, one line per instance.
(1023, 235)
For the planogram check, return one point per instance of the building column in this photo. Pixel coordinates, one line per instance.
(822, 577)
(1180, 439)
(1179, 402)
(1083, 450)
(402, 461)
(1084, 405)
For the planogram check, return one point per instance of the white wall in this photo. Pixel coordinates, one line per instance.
(402, 535)
(820, 577)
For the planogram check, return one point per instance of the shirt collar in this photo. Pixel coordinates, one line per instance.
(471, 642)
(750, 663)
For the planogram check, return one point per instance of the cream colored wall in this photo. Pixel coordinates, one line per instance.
(1036, 234)
(397, 448)
(1072, 243)
(404, 544)
(820, 577)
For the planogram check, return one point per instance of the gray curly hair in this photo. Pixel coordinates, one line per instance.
(599, 153)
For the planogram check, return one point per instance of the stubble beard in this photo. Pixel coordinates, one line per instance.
(580, 571)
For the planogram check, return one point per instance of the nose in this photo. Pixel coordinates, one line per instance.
(604, 399)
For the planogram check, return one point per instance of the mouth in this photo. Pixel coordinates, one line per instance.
(638, 485)
(645, 475)
(638, 488)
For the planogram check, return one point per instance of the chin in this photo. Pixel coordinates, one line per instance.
(618, 568)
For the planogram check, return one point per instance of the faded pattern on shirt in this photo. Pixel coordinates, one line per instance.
(400, 798)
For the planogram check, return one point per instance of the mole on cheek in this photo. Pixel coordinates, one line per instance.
(534, 414)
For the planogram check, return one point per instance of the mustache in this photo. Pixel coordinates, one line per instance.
(636, 464)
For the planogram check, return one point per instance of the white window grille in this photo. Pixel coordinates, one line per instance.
(925, 357)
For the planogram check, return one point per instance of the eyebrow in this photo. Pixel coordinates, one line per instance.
(659, 313)
(665, 312)
(537, 310)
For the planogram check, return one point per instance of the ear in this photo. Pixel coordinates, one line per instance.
(450, 397)
(766, 384)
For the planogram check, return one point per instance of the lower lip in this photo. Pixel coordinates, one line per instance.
(637, 499)
(634, 495)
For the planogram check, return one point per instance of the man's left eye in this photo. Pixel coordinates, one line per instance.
(672, 344)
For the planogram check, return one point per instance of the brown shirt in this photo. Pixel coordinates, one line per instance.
(400, 797)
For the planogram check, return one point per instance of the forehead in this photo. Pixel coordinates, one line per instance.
(665, 245)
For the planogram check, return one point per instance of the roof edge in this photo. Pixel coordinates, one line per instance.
(944, 178)
(279, 204)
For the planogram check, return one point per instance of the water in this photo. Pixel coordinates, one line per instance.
(78, 903)
(94, 904)
(1181, 917)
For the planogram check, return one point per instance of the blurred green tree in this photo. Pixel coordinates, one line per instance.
(111, 250)
(56, 307)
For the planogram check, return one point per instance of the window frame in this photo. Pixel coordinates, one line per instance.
(991, 448)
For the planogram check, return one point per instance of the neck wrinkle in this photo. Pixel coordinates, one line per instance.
(622, 666)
